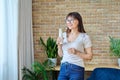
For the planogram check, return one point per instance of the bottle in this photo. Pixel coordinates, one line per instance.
(60, 35)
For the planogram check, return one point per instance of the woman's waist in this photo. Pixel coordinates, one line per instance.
(70, 62)
(72, 58)
(71, 65)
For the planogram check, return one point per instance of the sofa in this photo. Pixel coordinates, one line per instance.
(105, 74)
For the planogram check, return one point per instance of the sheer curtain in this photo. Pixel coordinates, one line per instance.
(8, 39)
(16, 38)
(25, 35)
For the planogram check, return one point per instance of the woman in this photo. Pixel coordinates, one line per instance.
(76, 46)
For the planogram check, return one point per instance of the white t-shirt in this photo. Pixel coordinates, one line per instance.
(81, 42)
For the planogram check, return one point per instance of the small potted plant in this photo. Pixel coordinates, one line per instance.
(115, 47)
(50, 49)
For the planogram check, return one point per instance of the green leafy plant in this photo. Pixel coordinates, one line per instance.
(115, 46)
(50, 47)
(39, 71)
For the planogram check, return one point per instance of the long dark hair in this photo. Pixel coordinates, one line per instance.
(77, 16)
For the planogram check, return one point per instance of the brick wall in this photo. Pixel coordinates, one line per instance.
(101, 19)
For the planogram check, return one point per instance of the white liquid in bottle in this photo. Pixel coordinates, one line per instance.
(60, 34)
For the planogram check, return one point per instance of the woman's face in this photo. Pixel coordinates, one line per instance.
(71, 22)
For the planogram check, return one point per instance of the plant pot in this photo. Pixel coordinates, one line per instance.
(54, 61)
(118, 61)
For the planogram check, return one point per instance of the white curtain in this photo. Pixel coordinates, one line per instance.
(25, 36)
(16, 38)
(8, 39)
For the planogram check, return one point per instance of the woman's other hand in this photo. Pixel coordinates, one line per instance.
(72, 50)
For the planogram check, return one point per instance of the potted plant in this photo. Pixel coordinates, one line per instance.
(115, 47)
(39, 71)
(50, 49)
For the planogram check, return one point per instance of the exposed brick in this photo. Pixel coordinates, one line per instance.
(101, 19)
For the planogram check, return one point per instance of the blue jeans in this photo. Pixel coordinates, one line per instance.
(71, 72)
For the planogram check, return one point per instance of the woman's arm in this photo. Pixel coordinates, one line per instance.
(60, 53)
(87, 55)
